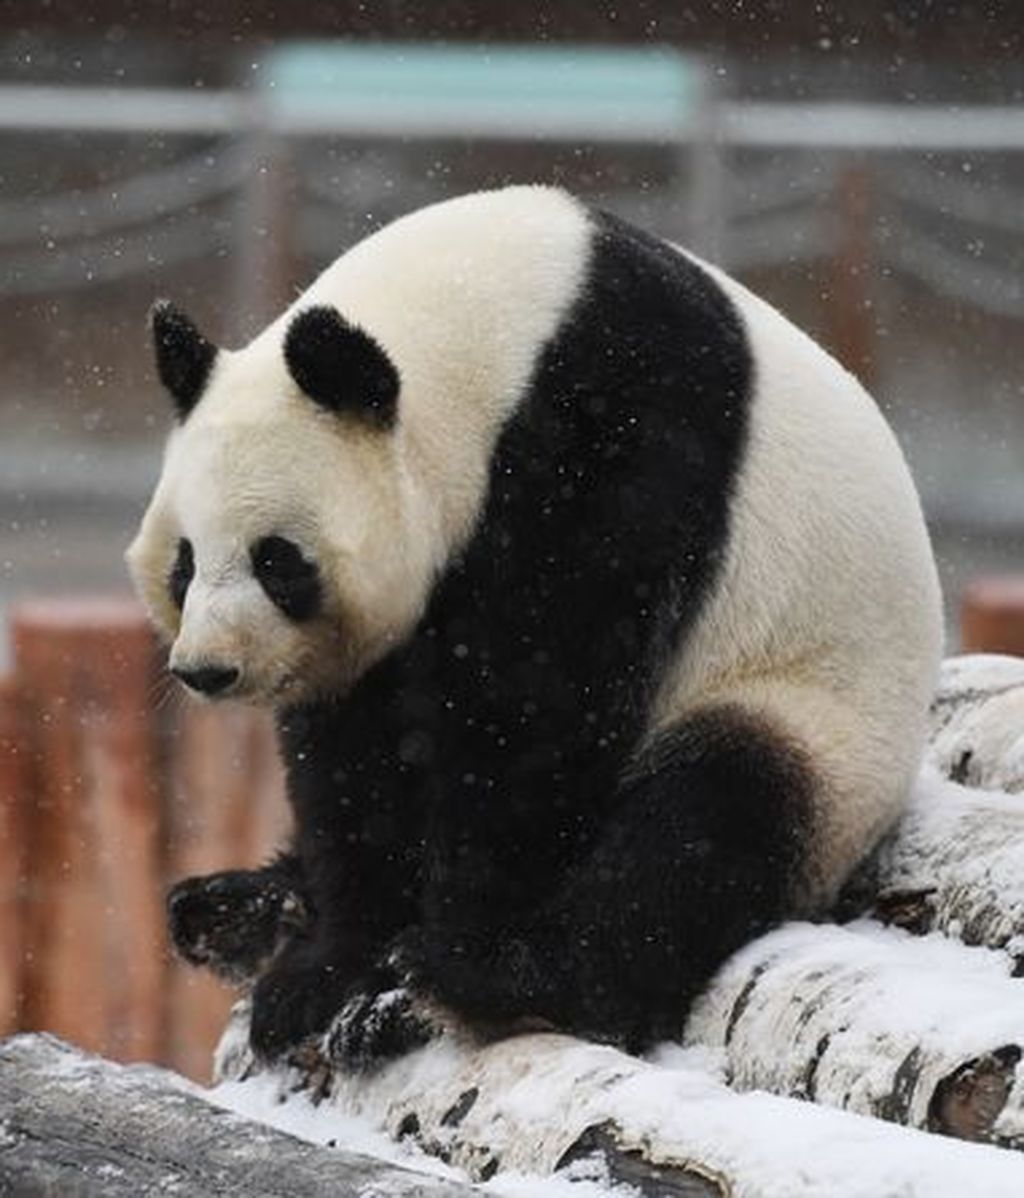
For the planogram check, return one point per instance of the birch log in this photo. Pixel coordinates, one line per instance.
(923, 1033)
(955, 864)
(535, 1103)
(529, 1104)
(976, 734)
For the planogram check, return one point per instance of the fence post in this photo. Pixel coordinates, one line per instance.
(94, 923)
(13, 831)
(992, 616)
(853, 316)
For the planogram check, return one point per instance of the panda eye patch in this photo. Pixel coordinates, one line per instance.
(289, 581)
(182, 573)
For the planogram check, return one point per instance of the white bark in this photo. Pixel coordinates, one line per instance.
(956, 862)
(956, 865)
(873, 1021)
(976, 735)
(522, 1104)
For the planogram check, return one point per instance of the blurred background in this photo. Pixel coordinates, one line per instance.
(860, 165)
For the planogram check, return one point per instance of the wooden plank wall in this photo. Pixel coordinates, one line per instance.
(992, 616)
(113, 786)
(13, 835)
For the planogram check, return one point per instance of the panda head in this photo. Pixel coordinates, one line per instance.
(285, 546)
(318, 480)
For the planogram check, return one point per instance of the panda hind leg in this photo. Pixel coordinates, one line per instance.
(710, 844)
(709, 841)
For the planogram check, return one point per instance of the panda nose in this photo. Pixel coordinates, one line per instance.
(208, 680)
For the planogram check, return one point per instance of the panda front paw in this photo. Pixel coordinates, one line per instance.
(293, 1002)
(234, 923)
(379, 1022)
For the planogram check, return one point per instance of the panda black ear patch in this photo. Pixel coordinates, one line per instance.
(184, 357)
(341, 367)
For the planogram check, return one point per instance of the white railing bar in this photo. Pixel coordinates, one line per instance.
(762, 125)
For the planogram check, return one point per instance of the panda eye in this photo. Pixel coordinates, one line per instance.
(289, 581)
(182, 573)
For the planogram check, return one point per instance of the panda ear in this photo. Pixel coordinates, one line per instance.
(341, 367)
(184, 357)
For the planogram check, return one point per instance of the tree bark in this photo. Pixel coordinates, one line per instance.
(77, 1126)
(955, 863)
(976, 733)
(914, 1032)
(542, 1102)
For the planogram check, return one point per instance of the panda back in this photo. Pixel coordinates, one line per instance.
(825, 619)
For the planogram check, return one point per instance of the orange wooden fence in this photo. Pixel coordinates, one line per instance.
(992, 616)
(113, 785)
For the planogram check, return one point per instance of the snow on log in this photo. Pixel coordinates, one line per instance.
(534, 1103)
(75, 1125)
(925, 1033)
(955, 865)
(530, 1104)
(976, 735)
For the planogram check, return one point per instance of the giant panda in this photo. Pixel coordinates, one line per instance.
(595, 605)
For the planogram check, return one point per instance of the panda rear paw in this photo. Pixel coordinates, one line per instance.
(235, 922)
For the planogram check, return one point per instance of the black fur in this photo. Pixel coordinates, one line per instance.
(380, 1020)
(290, 581)
(341, 367)
(235, 922)
(184, 358)
(476, 820)
(182, 573)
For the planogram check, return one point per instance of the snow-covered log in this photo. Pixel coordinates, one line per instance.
(956, 862)
(77, 1126)
(955, 865)
(926, 1033)
(530, 1104)
(976, 734)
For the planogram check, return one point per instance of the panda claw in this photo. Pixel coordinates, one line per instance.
(376, 1026)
